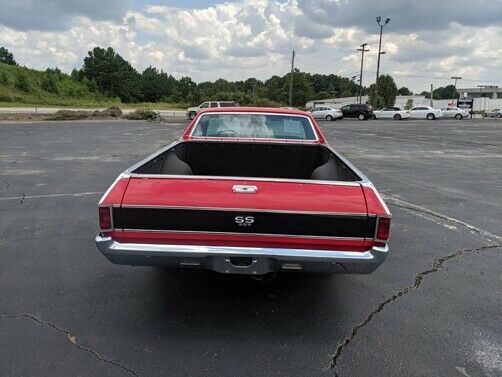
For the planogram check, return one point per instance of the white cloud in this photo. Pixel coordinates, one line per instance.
(255, 37)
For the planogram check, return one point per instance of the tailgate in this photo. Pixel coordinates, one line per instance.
(276, 214)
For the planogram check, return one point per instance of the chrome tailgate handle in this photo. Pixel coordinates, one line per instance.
(244, 189)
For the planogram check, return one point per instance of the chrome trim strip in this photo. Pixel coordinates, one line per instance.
(256, 113)
(246, 234)
(361, 214)
(254, 179)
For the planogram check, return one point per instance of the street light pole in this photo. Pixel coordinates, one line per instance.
(455, 90)
(363, 50)
(378, 19)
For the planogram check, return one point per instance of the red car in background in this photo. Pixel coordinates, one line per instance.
(246, 191)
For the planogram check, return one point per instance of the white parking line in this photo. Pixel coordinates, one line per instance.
(51, 195)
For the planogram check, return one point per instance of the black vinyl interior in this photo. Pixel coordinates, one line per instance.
(250, 160)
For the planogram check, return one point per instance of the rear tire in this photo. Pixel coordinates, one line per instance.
(397, 117)
(458, 116)
(329, 118)
(430, 116)
(498, 116)
(361, 116)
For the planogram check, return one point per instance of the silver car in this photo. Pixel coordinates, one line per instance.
(495, 113)
(326, 112)
(454, 112)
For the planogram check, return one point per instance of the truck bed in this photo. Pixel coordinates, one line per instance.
(259, 160)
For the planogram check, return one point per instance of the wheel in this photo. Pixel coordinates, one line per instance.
(361, 116)
(191, 115)
(431, 116)
(458, 116)
(498, 116)
(397, 117)
(329, 118)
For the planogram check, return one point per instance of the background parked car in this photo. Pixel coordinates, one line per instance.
(326, 112)
(192, 111)
(454, 112)
(425, 112)
(495, 113)
(360, 111)
(391, 113)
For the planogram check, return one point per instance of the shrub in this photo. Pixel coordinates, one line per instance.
(22, 82)
(142, 114)
(4, 79)
(49, 83)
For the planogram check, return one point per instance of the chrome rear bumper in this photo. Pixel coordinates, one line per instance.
(241, 260)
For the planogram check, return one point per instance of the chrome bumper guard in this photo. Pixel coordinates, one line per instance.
(241, 260)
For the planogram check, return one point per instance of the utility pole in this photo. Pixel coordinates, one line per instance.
(378, 19)
(363, 50)
(455, 91)
(291, 79)
(432, 94)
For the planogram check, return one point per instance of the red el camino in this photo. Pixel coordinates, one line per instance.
(246, 191)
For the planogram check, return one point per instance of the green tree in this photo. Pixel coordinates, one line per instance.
(387, 92)
(4, 79)
(114, 75)
(50, 83)
(404, 91)
(6, 57)
(409, 104)
(446, 92)
(22, 82)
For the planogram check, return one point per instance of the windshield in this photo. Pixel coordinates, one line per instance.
(254, 126)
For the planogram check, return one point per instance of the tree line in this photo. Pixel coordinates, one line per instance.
(116, 77)
(107, 73)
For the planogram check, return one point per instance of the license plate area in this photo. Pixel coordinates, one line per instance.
(243, 265)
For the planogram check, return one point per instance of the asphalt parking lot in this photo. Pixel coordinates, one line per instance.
(433, 308)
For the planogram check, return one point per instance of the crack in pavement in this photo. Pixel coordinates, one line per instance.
(71, 338)
(20, 195)
(413, 207)
(437, 264)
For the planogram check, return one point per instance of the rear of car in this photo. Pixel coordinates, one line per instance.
(327, 113)
(391, 113)
(248, 192)
(358, 110)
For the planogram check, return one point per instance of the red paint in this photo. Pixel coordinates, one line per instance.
(373, 202)
(270, 110)
(116, 193)
(246, 240)
(217, 193)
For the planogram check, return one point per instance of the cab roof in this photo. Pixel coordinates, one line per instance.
(256, 110)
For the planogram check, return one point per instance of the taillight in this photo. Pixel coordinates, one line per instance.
(105, 218)
(382, 233)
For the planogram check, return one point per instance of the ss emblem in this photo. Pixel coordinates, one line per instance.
(244, 220)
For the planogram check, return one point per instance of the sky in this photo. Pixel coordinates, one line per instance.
(426, 42)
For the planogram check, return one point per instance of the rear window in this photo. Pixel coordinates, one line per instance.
(254, 126)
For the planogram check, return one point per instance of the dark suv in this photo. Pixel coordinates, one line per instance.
(357, 110)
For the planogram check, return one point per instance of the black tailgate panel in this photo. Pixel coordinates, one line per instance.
(231, 221)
